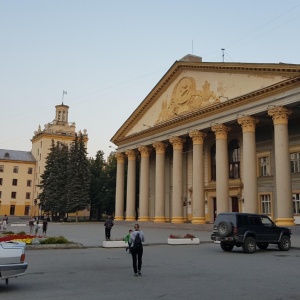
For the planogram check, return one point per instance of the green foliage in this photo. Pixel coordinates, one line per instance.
(22, 233)
(54, 180)
(55, 240)
(78, 184)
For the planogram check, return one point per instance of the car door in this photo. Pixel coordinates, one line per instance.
(270, 232)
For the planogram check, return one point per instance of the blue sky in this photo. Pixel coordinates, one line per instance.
(108, 55)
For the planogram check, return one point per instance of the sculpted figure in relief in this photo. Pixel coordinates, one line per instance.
(186, 98)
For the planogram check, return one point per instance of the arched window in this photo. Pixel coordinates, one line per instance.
(213, 163)
(234, 159)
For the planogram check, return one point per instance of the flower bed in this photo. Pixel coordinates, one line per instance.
(32, 239)
(187, 239)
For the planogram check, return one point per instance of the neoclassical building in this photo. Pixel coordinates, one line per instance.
(210, 138)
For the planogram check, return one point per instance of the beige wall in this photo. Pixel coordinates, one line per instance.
(21, 188)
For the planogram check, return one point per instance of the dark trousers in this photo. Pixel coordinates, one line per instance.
(137, 259)
(107, 233)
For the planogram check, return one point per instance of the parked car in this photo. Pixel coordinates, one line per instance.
(249, 231)
(12, 260)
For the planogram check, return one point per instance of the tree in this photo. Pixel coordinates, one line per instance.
(110, 187)
(53, 197)
(78, 175)
(98, 183)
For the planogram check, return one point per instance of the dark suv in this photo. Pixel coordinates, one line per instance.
(248, 231)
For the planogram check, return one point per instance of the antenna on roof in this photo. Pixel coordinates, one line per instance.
(223, 53)
(192, 46)
(62, 100)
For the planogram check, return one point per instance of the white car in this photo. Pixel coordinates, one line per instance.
(12, 260)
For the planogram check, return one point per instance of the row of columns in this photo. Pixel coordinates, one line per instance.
(248, 123)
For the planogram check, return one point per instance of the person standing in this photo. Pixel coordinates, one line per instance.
(136, 239)
(31, 225)
(45, 226)
(108, 226)
(5, 222)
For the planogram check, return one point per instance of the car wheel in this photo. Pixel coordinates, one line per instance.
(262, 246)
(224, 228)
(226, 247)
(249, 246)
(285, 243)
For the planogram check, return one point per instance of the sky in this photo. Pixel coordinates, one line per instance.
(108, 55)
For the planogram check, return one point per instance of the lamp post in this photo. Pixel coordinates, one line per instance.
(0, 205)
(35, 203)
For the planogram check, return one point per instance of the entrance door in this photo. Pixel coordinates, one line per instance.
(235, 204)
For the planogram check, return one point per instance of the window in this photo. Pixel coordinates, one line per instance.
(1, 168)
(213, 163)
(26, 210)
(296, 203)
(27, 195)
(15, 182)
(1, 181)
(0, 194)
(12, 210)
(28, 182)
(234, 159)
(295, 162)
(13, 195)
(29, 170)
(265, 202)
(264, 166)
(16, 169)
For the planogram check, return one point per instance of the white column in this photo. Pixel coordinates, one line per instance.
(222, 167)
(284, 213)
(119, 209)
(131, 183)
(248, 124)
(177, 203)
(144, 184)
(198, 198)
(160, 215)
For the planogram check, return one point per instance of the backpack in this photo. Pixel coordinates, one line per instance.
(137, 242)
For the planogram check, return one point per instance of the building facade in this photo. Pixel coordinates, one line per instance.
(20, 171)
(211, 138)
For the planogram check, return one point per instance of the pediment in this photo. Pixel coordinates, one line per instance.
(191, 86)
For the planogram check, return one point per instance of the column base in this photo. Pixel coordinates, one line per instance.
(130, 219)
(285, 222)
(159, 220)
(199, 220)
(177, 220)
(118, 218)
(144, 219)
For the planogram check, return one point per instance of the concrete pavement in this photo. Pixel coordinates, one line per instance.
(91, 234)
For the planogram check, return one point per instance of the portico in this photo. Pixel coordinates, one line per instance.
(219, 139)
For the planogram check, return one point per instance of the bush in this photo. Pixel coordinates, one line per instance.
(22, 233)
(55, 240)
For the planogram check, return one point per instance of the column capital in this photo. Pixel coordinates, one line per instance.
(280, 115)
(131, 154)
(248, 123)
(120, 157)
(177, 142)
(221, 131)
(145, 151)
(197, 136)
(160, 147)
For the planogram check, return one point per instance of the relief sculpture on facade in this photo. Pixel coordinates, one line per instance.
(185, 98)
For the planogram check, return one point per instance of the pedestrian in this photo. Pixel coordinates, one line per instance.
(45, 226)
(31, 225)
(136, 239)
(126, 239)
(108, 226)
(4, 222)
(36, 227)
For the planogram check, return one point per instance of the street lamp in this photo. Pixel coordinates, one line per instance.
(0, 205)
